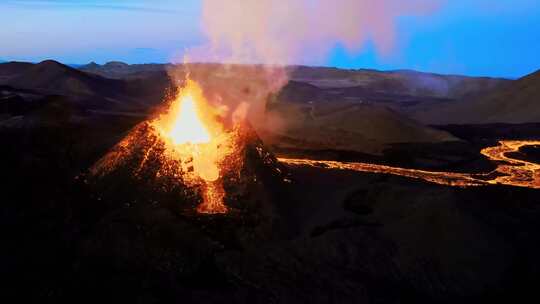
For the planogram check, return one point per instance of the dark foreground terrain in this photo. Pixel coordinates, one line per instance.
(324, 237)
(341, 237)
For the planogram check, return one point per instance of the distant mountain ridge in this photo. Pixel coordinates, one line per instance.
(401, 82)
(515, 102)
(55, 77)
(428, 98)
(120, 70)
(404, 82)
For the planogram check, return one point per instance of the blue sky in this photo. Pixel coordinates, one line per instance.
(472, 37)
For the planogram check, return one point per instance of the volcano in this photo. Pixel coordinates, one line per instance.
(189, 161)
(142, 158)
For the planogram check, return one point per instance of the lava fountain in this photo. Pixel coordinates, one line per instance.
(195, 138)
(186, 147)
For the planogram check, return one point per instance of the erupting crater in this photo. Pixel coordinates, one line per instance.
(197, 141)
(188, 155)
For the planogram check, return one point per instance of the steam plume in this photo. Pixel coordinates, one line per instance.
(278, 33)
(300, 31)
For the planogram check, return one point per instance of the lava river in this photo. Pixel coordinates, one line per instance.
(509, 171)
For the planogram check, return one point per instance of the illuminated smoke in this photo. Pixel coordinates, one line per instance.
(277, 33)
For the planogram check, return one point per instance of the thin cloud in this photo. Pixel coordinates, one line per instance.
(96, 4)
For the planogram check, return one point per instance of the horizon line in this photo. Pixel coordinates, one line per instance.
(79, 65)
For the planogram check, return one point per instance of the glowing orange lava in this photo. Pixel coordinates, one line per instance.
(512, 172)
(198, 142)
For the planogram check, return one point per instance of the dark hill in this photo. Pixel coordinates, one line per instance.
(91, 65)
(84, 88)
(116, 64)
(55, 77)
(344, 126)
(302, 92)
(8, 69)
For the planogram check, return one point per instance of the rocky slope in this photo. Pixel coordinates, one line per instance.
(344, 126)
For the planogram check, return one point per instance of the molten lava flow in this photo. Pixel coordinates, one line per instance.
(509, 171)
(514, 172)
(198, 142)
